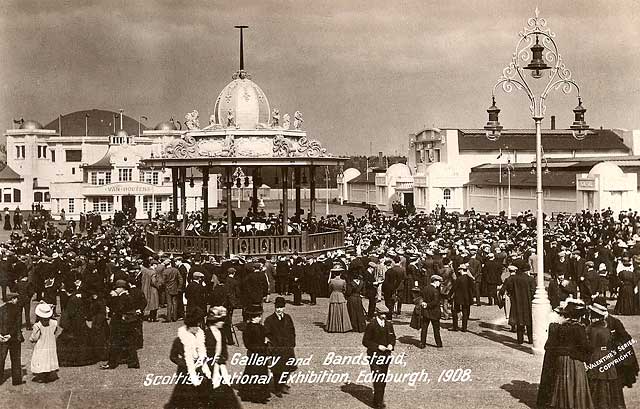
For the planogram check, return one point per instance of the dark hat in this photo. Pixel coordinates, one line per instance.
(121, 284)
(194, 316)
(280, 302)
(253, 310)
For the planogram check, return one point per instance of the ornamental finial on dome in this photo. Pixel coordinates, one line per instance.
(241, 73)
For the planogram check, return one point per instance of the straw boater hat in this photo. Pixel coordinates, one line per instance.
(598, 309)
(44, 310)
(217, 313)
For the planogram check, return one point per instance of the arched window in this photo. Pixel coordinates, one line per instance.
(47, 196)
(446, 194)
(37, 197)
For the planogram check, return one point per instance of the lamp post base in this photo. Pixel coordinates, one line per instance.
(541, 308)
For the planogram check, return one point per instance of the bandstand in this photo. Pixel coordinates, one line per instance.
(243, 132)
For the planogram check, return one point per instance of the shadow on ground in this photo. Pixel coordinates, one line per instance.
(525, 392)
(363, 393)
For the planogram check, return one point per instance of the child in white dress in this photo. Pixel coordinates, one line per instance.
(44, 361)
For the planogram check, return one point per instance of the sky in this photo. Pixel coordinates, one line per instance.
(365, 74)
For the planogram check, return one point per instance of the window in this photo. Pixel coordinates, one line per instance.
(20, 151)
(100, 178)
(42, 152)
(47, 197)
(103, 204)
(73, 171)
(53, 155)
(149, 177)
(6, 195)
(148, 203)
(73, 155)
(446, 194)
(72, 205)
(37, 197)
(17, 195)
(124, 175)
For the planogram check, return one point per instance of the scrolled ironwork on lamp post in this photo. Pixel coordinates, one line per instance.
(537, 44)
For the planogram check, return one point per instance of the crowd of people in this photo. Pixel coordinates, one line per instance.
(103, 283)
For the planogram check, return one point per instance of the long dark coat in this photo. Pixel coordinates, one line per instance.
(463, 290)
(282, 334)
(431, 296)
(521, 293)
(254, 288)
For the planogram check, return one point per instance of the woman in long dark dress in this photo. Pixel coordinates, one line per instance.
(338, 317)
(355, 287)
(7, 220)
(254, 339)
(189, 353)
(563, 382)
(73, 343)
(604, 382)
(99, 329)
(626, 304)
(221, 393)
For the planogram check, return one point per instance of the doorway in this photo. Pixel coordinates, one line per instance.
(129, 205)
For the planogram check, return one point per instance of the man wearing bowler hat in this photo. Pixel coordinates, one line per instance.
(380, 340)
(431, 311)
(281, 332)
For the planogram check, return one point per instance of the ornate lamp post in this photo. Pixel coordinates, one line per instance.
(537, 42)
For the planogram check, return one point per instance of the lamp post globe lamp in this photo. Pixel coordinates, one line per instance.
(536, 43)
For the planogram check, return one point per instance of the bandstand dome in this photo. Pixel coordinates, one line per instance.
(30, 125)
(606, 169)
(247, 102)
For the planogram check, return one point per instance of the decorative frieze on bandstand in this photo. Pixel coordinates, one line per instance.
(222, 144)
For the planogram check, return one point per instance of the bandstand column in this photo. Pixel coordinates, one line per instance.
(174, 199)
(227, 185)
(254, 192)
(183, 199)
(285, 200)
(296, 175)
(312, 193)
(205, 197)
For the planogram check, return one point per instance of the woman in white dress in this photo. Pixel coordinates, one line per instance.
(44, 360)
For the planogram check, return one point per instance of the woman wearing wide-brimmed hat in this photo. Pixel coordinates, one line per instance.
(221, 393)
(254, 338)
(564, 382)
(44, 359)
(189, 353)
(338, 318)
(604, 381)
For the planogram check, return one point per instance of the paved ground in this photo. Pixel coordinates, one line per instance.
(502, 374)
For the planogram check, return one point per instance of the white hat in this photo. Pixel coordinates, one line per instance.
(43, 310)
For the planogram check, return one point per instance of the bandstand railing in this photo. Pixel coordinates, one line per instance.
(249, 245)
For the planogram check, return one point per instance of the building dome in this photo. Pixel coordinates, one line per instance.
(606, 169)
(30, 125)
(166, 126)
(350, 174)
(398, 170)
(94, 122)
(247, 102)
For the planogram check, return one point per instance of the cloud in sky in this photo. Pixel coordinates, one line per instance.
(360, 71)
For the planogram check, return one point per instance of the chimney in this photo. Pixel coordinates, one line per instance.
(553, 122)
(380, 160)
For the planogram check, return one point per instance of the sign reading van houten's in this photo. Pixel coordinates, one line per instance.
(124, 188)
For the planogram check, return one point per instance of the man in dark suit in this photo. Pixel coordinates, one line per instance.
(173, 286)
(520, 289)
(492, 273)
(463, 291)
(431, 311)
(11, 336)
(196, 292)
(281, 332)
(379, 339)
(392, 280)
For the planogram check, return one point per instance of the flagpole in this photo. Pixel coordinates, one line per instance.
(86, 125)
(60, 124)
